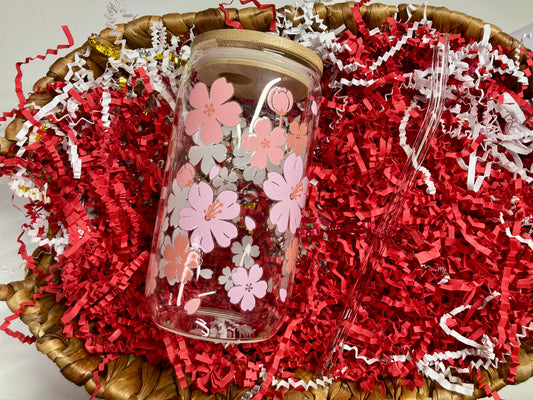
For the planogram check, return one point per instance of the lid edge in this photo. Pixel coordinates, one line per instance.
(221, 37)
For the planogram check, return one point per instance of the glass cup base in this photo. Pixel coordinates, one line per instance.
(215, 325)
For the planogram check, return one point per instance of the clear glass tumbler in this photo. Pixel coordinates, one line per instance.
(226, 236)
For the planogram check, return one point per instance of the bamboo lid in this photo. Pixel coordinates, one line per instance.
(231, 37)
(248, 73)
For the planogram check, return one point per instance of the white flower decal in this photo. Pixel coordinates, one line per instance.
(225, 278)
(177, 199)
(208, 155)
(244, 252)
(226, 180)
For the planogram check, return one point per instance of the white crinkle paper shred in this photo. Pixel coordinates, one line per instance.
(481, 119)
(158, 66)
(515, 137)
(482, 115)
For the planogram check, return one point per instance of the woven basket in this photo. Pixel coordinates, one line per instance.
(131, 377)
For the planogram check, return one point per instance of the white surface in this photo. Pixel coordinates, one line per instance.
(29, 28)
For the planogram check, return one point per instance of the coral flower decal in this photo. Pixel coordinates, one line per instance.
(211, 110)
(298, 139)
(290, 256)
(265, 143)
(208, 218)
(247, 287)
(180, 261)
(289, 191)
(185, 176)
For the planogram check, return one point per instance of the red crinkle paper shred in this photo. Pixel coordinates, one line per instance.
(454, 233)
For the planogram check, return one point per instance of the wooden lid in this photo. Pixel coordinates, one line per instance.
(283, 61)
(255, 39)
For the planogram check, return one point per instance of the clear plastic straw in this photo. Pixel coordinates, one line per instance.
(387, 225)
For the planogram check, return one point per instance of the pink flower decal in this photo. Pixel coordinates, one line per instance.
(280, 100)
(249, 223)
(298, 137)
(289, 191)
(208, 218)
(248, 286)
(192, 305)
(210, 109)
(314, 107)
(265, 143)
(181, 261)
(185, 176)
(214, 171)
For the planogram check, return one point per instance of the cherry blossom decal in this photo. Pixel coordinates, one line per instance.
(207, 155)
(280, 100)
(225, 278)
(192, 305)
(314, 108)
(289, 190)
(177, 199)
(208, 218)
(283, 294)
(249, 222)
(180, 260)
(211, 110)
(185, 176)
(247, 287)
(245, 252)
(290, 256)
(214, 171)
(298, 137)
(228, 164)
(265, 143)
(225, 180)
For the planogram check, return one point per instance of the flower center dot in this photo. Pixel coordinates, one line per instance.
(265, 144)
(209, 110)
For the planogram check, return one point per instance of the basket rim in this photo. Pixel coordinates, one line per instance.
(11, 292)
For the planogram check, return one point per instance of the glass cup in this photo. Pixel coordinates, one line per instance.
(226, 236)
